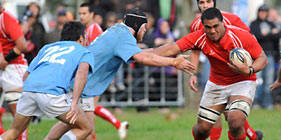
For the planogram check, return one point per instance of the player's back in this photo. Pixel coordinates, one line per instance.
(54, 67)
(110, 49)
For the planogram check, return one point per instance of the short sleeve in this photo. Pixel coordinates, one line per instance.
(88, 57)
(126, 48)
(1, 50)
(253, 47)
(188, 41)
(12, 27)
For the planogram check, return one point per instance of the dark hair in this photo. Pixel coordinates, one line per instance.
(211, 13)
(89, 5)
(213, 1)
(27, 9)
(263, 7)
(134, 19)
(72, 31)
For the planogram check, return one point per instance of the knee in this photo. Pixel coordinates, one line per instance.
(203, 129)
(235, 121)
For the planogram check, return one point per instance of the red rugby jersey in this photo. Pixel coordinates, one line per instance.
(10, 31)
(228, 19)
(218, 55)
(92, 32)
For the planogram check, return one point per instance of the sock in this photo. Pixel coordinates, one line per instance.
(68, 136)
(23, 136)
(106, 114)
(2, 130)
(215, 133)
(195, 137)
(94, 137)
(251, 133)
(243, 137)
(2, 111)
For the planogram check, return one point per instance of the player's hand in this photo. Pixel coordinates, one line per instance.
(241, 69)
(275, 85)
(193, 83)
(3, 64)
(73, 113)
(182, 64)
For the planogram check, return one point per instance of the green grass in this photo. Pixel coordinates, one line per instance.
(154, 125)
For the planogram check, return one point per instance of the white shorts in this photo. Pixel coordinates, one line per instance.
(218, 94)
(11, 77)
(87, 104)
(38, 104)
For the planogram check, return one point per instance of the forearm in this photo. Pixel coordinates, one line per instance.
(20, 45)
(151, 59)
(170, 49)
(260, 63)
(25, 75)
(79, 83)
(194, 57)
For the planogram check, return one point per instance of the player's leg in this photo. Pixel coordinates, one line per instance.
(88, 106)
(81, 129)
(104, 113)
(12, 86)
(20, 123)
(250, 132)
(26, 108)
(240, 102)
(215, 133)
(207, 117)
(239, 109)
(57, 131)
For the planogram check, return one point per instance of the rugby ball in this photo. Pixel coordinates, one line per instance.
(238, 56)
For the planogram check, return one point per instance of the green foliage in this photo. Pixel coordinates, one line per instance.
(176, 125)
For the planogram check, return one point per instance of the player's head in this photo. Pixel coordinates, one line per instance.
(263, 12)
(86, 13)
(205, 4)
(137, 20)
(74, 31)
(212, 20)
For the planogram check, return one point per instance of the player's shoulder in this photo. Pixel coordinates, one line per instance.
(195, 24)
(240, 33)
(228, 14)
(9, 16)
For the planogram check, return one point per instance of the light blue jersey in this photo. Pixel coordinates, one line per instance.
(113, 47)
(55, 66)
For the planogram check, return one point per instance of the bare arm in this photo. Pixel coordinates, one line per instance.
(277, 82)
(25, 75)
(20, 45)
(79, 84)
(194, 59)
(170, 49)
(151, 59)
(259, 64)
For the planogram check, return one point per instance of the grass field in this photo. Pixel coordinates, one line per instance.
(154, 125)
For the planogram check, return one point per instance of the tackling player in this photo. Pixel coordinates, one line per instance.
(237, 89)
(86, 13)
(13, 66)
(47, 80)
(196, 25)
(116, 45)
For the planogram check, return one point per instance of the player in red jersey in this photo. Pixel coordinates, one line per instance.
(93, 30)
(13, 65)
(228, 84)
(86, 13)
(228, 19)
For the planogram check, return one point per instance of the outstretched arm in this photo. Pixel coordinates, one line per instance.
(151, 59)
(194, 59)
(170, 49)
